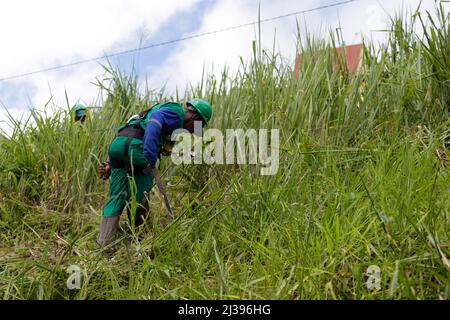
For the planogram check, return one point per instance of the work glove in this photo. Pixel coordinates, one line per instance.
(104, 170)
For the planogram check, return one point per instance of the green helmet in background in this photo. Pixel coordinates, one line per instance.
(78, 112)
(202, 107)
(78, 106)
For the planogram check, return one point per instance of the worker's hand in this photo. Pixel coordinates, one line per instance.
(104, 170)
(166, 149)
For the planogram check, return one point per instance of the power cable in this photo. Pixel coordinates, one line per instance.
(176, 40)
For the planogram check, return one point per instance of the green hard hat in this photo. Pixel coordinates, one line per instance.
(202, 107)
(78, 106)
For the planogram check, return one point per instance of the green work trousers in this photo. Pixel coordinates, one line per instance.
(128, 187)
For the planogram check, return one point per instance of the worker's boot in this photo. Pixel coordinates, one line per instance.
(108, 230)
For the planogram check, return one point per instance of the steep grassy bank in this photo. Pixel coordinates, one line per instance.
(363, 180)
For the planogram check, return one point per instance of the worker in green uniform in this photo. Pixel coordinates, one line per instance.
(135, 151)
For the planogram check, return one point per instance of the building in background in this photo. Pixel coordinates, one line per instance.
(348, 58)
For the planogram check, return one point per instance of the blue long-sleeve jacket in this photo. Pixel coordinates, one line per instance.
(160, 124)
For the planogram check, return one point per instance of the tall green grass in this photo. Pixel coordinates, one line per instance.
(363, 181)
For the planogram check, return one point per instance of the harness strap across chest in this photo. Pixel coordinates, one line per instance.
(134, 129)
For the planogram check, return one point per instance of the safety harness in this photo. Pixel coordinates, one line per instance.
(131, 130)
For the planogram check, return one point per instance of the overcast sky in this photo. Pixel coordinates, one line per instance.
(45, 33)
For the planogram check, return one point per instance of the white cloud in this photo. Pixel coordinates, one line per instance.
(43, 32)
(225, 48)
